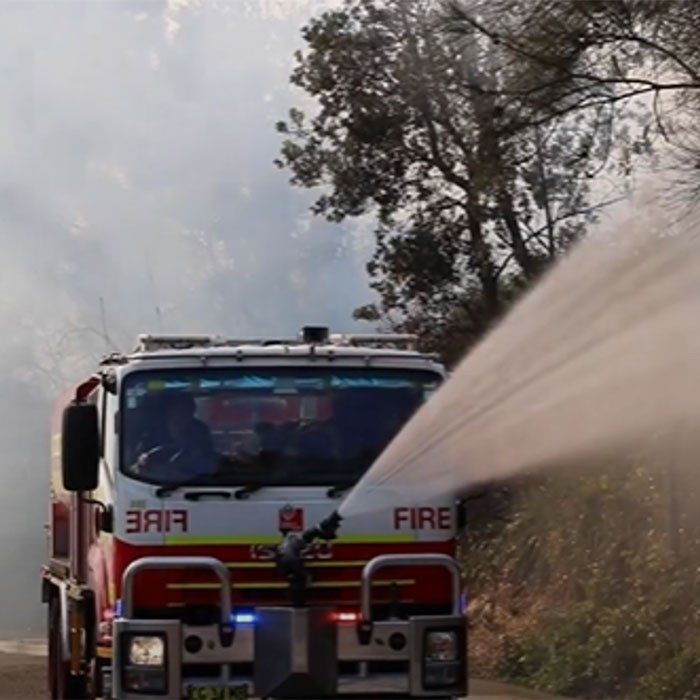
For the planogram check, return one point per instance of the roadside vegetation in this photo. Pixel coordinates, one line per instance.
(598, 598)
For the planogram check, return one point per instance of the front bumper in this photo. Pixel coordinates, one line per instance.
(293, 652)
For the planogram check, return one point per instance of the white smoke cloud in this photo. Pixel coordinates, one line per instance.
(137, 193)
(127, 140)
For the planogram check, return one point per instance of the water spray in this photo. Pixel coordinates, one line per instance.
(599, 360)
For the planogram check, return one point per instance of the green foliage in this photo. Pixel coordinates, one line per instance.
(612, 602)
(468, 209)
(638, 60)
(677, 676)
(590, 649)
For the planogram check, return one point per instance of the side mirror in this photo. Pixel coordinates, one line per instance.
(80, 447)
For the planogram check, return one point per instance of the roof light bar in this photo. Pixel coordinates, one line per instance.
(309, 335)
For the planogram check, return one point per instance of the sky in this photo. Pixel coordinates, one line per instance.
(137, 189)
(138, 194)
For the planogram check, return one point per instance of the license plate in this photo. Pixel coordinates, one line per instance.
(210, 692)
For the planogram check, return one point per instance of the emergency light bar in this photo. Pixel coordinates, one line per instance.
(309, 335)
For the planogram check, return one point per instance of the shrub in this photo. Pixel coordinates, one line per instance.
(600, 596)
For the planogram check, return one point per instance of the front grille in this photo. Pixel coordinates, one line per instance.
(193, 615)
(209, 614)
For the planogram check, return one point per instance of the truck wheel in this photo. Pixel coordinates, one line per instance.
(62, 685)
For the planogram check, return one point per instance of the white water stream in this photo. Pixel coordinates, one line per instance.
(601, 358)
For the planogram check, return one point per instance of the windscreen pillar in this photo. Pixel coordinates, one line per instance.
(296, 653)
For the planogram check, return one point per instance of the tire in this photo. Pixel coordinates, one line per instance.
(62, 685)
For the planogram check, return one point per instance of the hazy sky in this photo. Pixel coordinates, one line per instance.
(136, 149)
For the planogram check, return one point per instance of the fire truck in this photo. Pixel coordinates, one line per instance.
(195, 549)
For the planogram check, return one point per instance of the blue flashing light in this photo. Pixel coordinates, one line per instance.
(244, 618)
(118, 608)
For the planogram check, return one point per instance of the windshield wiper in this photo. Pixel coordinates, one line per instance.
(167, 489)
(242, 493)
(339, 489)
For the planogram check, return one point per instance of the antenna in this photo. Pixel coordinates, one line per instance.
(154, 292)
(103, 319)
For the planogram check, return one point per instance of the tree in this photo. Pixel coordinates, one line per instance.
(469, 210)
(641, 57)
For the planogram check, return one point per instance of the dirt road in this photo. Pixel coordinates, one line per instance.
(23, 677)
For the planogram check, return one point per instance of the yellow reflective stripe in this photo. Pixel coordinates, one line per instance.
(111, 593)
(192, 541)
(334, 564)
(378, 539)
(104, 652)
(357, 584)
(312, 564)
(215, 586)
(282, 585)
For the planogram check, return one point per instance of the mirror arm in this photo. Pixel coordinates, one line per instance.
(92, 501)
(105, 519)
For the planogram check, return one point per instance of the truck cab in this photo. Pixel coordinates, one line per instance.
(177, 471)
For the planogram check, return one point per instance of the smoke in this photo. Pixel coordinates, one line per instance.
(598, 362)
(137, 193)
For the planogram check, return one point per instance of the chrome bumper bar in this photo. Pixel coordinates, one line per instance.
(368, 641)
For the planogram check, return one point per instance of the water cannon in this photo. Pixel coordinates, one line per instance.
(327, 529)
(290, 560)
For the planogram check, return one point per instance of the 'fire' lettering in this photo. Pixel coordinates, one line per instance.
(133, 521)
(426, 518)
(152, 521)
(165, 521)
(179, 519)
(401, 515)
(423, 518)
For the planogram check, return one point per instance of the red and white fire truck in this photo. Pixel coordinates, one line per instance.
(188, 482)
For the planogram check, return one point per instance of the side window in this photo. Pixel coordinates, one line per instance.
(101, 418)
(108, 425)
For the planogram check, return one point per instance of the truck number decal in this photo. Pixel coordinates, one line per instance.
(315, 551)
(423, 518)
(143, 521)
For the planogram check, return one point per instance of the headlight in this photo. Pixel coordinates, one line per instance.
(146, 651)
(444, 659)
(441, 646)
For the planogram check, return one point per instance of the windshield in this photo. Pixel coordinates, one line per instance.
(299, 426)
